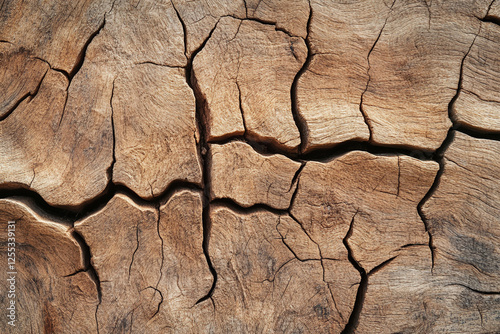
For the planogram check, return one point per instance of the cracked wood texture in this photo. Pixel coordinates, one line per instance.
(250, 166)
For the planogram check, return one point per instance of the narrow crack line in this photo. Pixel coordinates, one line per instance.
(135, 250)
(361, 108)
(89, 268)
(246, 8)
(111, 167)
(64, 107)
(184, 29)
(162, 246)
(451, 113)
(351, 325)
(241, 110)
(63, 72)
(28, 96)
(300, 122)
(482, 292)
(330, 290)
(161, 300)
(399, 176)
(148, 62)
(284, 242)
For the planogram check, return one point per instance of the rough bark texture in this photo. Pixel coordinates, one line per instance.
(253, 166)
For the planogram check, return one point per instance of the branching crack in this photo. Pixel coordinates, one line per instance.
(363, 285)
(89, 268)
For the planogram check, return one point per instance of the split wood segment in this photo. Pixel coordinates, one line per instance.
(187, 154)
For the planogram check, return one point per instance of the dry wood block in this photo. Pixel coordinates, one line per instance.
(53, 293)
(239, 173)
(291, 17)
(406, 296)
(45, 146)
(155, 129)
(262, 286)
(329, 92)
(478, 103)
(55, 32)
(375, 195)
(463, 213)
(247, 84)
(414, 70)
(20, 76)
(150, 261)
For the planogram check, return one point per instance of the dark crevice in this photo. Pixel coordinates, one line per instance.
(66, 214)
(295, 180)
(87, 263)
(298, 118)
(30, 96)
(361, 108)
(201, 122)
(380, 266)
(326, 154)
(351, 325)
(89, 269)
(63, 72)
(237, 208)
(81, 57)
(492, 19)
(478, 133)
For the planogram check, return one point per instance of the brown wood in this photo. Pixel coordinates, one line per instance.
(250, 166)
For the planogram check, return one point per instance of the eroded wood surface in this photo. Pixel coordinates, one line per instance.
(250, 166)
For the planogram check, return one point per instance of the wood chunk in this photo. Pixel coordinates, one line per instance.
(463, 213)
(245, 73)
(406, 297)
(155, 126)
(291, 17)
(126, 254)
(52, 292)
(200, 18)
(45, 146)
(20, 76)
(415, 69)
(254, 178)
(55, 32)
(378, 195)
(261, 286)
(478, 104)
(329, 91)
(151, 263)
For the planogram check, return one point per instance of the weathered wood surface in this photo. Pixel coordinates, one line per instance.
(253, 166)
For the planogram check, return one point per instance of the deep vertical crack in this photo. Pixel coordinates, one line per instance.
(363, 284)
(297, 117)
(438, 156)
(201, 123)
(361, 108)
